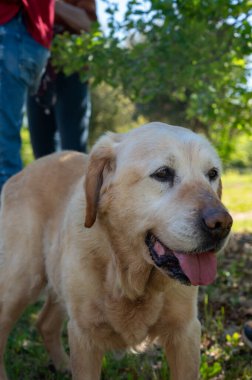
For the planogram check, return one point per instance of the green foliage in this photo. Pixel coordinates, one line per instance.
(209, 372)
(111, 111)
(182, 61)
(241, 157)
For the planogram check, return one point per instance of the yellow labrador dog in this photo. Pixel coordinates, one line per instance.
(121, 239)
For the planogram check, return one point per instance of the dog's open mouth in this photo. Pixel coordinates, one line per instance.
(189, 268)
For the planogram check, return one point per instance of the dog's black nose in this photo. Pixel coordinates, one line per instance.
(217, 222)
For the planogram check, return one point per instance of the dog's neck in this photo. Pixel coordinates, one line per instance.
(128, 274)
(134, 278)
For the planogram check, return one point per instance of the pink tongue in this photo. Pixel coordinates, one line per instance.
(159, 248)
(200, 268)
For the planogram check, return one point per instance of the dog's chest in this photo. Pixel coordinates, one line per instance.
(132, 320)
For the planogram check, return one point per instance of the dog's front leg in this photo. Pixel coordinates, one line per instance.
(85, 359)
(182, 349)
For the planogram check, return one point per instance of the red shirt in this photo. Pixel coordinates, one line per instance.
(38, 17)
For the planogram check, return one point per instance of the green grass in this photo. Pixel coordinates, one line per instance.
(26, 151)
(25, 356)
(237, 191)
(237, 196)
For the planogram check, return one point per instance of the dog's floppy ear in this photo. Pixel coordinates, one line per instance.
(101, 160)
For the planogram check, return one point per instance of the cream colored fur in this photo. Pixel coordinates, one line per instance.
(100, 276)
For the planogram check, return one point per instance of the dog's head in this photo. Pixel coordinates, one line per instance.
(158, 188)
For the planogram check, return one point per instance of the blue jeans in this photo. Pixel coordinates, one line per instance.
(62, 111)
(21, 63)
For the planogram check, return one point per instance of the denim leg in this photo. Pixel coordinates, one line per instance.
(12, 94)
(21, 63)
(72, 112)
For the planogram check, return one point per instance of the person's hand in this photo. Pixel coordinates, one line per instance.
(73, 16)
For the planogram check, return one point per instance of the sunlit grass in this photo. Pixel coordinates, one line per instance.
(26, 151)
(237, 196)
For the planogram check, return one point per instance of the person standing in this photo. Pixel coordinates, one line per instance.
(25, 37)
(62, 105)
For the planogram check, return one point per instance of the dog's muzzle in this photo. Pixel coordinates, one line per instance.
(197, 267)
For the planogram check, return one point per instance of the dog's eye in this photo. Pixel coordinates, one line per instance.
(164, 174)
(213, 174)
